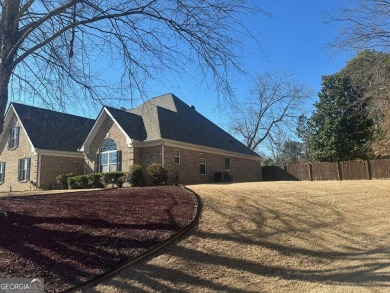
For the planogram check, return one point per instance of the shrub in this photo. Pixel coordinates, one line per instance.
(80, 181)
(112, 177)
(71, 181)
(62, 179)
(158, 173)
(94, 180)
(136, 175)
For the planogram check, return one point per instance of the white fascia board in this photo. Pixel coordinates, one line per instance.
(128, 139)
(92, 133)
(194, 147)
(58, 153)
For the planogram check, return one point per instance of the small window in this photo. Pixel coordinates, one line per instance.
(202, 164)
(24, 169)
(2, 172)
(13, 137)
(177, 156)
(227, 164)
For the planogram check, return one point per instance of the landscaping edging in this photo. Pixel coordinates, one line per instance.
(147, 253)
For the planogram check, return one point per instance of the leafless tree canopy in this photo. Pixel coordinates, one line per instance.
(275, 99)
(49, 48)
(363, 24)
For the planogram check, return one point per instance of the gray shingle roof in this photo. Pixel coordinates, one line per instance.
(132, 124)
(52, 130)
(188, 125)
(168, 117)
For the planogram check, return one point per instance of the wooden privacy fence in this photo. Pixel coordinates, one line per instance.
(348, 170)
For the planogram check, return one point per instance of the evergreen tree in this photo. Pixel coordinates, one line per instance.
(339, 128)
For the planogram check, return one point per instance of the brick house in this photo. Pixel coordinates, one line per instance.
(168, 131)
(37, 144)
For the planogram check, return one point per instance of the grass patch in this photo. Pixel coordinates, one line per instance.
(276, 237)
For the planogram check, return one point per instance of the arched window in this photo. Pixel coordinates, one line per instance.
(109, 159)
(108, 145)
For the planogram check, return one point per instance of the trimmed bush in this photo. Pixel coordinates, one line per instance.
(76, 182)
(112, 178)
(62, 179)
(136, 175)
(94, 180)
(71, 181)
(158, 173)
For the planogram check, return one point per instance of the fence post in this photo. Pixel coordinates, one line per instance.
(369, 170)
(339, 171)
(311, 172)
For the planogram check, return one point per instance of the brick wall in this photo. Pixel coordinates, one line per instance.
(188, 170)
(11, 157)
(108, 129)
(147, 156)
(51, 166)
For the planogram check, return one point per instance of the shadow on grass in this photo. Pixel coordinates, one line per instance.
(341, 254)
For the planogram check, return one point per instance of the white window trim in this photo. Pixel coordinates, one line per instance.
(24, 169)
(2, 172)
(109, 154)
(205, 164)
(177, 156)
(13, 137)
(230, 164)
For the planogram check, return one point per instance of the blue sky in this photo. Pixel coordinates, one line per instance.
(293, 38)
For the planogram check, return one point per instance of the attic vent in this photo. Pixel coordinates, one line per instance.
(192, 107)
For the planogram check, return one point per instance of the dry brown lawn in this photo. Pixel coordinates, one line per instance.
(275, 237)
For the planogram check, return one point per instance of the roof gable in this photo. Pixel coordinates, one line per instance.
(53, 130)
(131, 124)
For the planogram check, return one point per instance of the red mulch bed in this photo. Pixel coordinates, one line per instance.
(72, 238)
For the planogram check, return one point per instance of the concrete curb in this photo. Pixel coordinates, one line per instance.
(147, 253)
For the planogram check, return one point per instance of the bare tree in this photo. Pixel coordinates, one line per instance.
(50, 49)
(363, 24)
(276, 99)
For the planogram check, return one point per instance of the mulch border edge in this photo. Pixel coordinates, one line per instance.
(147, 253)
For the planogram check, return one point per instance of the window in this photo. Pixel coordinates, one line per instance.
(227, 164)
(2, 172)
(202, 164)
(177, 156)
(24, 169)
(13, 137)
(109, 159)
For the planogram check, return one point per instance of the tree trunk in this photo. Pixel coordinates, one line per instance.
(9, 34)
(5, 76)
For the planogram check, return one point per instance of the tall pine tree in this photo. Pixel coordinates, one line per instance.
(339, 128)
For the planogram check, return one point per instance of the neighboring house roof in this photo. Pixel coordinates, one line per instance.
(168, 117)
(52, 130)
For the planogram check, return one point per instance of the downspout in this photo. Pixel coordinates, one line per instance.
(39, 170)
(163, 153)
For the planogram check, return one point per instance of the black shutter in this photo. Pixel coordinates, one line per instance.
(9, 138)
(19, 169)
(119, 160)
(28, 169)
(97, 163)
